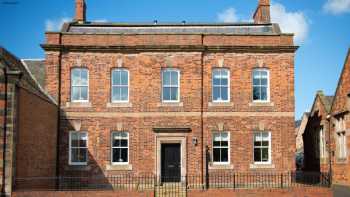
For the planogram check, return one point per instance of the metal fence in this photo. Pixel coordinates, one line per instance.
(234, 180)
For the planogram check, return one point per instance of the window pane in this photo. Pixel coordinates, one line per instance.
(265, 154)
(74, 140)
(124, 154)
(216, 154)
(265, 143)
(124, 143)
(166, 78)
(216, 77)
(216, 93)
(174, 94)
(263, 93)
(124, 134)
(84, 77)
(82, 141)
(256, 82)
(75, 76)
(257, 143)
(84, 93)
(166, 94)
(256, 93)
(116, 94)
(124, 77)
(263, 81)
(74, 155)
(217, 137)
(75, 93)
(82, 154)
(224, 93)
(174, 78)
(257, 156)
(116, 155)
(224, 154)
(124, 94)
(216, 143)
(115, 78)
(263, 74)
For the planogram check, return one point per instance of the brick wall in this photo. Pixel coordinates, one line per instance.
(36, 139)
(341, 173)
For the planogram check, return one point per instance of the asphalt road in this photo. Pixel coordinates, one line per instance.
(341, 191)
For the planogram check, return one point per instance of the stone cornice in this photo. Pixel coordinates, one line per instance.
(172, 48)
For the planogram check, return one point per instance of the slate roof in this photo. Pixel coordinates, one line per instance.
(37, 69)
(172, 28)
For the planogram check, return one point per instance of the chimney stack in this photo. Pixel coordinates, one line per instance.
(80, 11)
(262, 13)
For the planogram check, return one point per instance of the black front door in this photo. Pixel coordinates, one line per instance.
(171, 162)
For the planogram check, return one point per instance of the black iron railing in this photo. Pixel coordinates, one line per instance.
(234, 180)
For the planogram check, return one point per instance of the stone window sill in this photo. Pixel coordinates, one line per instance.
(261, 104)
(221, 166)
(111, 105)
(78, 104)
(220, 104)
(77, 168)
(126, 167)
(262, 166)
(170, 104)
(341, 161)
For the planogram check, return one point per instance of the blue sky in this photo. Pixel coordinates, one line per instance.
(321, 26)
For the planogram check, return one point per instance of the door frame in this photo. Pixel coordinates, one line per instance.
(168, 138)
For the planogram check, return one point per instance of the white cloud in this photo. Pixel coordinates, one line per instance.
(56, 24)
(337, 6)
(228, 16)
(290, 22)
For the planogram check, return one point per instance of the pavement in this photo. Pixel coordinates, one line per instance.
(341, 191)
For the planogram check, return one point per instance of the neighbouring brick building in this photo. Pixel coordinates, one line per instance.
(28, 122)
(316, 135)
(340, 130)
(166, 98)
(330, 113)
(300, 126)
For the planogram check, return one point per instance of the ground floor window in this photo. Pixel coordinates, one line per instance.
(78, 151)
(221, 148)
(120, 148)
(341, 145)
(262, 147)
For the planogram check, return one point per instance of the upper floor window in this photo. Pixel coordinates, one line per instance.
(170, 85)
(262, 147)
(120, 85)
(120, 148)
(221, 148)
(78, 151)
(80, 85)
(261, 89)
(221, 85)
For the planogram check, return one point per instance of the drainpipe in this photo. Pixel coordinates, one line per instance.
(202, 105)
(58, 119)
(329, 149)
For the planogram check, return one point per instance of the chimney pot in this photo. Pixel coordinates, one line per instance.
(262, 13)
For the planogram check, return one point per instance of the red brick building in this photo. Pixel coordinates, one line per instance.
(340, 128)
(28, 119)
(316, 135)
(166, 98)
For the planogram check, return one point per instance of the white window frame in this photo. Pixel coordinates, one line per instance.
(228, 86)
(228, 150)
(70, 148)
(178, 85)
(71, 85)
(128, 86)
(268, 85)
(269, 148)
(128, 138)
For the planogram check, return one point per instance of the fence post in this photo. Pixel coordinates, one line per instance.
(281, 180)
(234, 181)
